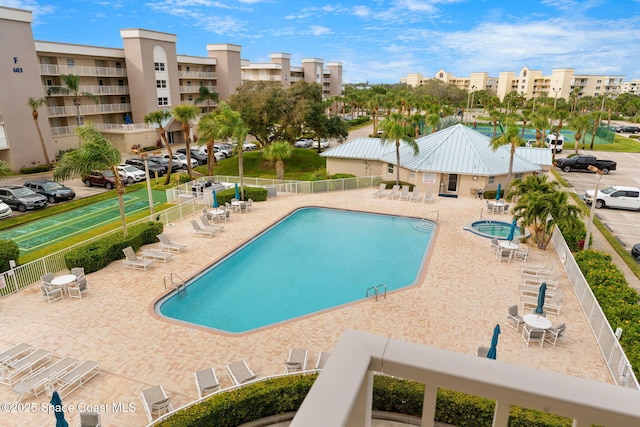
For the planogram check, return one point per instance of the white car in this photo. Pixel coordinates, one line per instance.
(5, 211)
(303, 143)
(219, 155)
(324, 143)
(617, 196)
(225, 149)
(181, 159)
(131, 173)
(249, 146)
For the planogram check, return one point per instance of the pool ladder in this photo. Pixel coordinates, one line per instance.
(426, 224)
(375, 291)
(175, 282)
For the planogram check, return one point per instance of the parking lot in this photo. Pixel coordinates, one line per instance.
(622, 223)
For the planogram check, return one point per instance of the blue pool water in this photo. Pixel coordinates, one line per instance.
(492, 229)
(312, 260)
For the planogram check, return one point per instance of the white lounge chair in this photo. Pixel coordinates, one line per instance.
(551, 302)
(35, 383)
(132, 261)
(381, 190)
(74, 379)
(550, 280)
(206, 382)
(415, 195)
(297, 360)
(11, 373)
(156, 402)
(15, 352)
(75, 289)
(404, 194)
(201, 232)
(166, 245)
(210, 225)
(240, 372)
(395, 192)
(428, 198)
(156, 254)
(537, 270)
(323, 357)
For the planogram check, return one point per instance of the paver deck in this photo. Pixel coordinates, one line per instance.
(463, 292)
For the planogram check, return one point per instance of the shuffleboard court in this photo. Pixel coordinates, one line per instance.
(46, 231)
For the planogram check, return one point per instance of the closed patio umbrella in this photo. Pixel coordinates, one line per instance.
(56, 402)
(541, 297)
(512, 230)
(499, 190)
(494, 343)
(237, 192)
(215, 199)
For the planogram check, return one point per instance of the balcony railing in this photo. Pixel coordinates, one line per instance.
(70, 130)
(85, 110)
(56, 70)
(196, 75)
(189, 89)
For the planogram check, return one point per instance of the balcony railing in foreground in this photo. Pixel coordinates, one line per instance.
(342, 394)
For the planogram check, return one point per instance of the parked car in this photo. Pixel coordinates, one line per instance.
(154, 167)
(131, 174)
(196, 153)
(249, 146)
(615, 197)
(181, 160)
(165, 163)
(5, 211)
(324, 143)
(225, 149)
(22, 198)
(54, 191)
(216, 153)
(551, 142)
(582, 162)
(635, 251)
(303, 143)
(104, 179)
(627, 129)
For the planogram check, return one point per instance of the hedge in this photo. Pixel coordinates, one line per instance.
(34, 169)
(257, 194)
(9, 250)
(280, 395)
(100, 253)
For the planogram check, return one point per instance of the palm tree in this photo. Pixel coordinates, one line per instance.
(580, 124)
(208, 132)
(495, 116)
(94, 153)
(184, 114)
(157, 118)
(72, 87)
(559, 115)
(396, 128)
(33, 105)
(540, 124)
(278, 151)
(205, 95)
(508, 138)
(229, 124)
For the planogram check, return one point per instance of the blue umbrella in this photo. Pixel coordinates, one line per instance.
(494, 343)
(215, 199)
(512, 230)
(56, 402)
(541, 296)
(237, 192)
(499, 190)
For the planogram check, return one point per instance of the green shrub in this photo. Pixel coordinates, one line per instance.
(100, 253)
(34, 169)
(573, 234)
(184, 178)
(491, 194)
(342, 176)
(257, 194)
(9, 250)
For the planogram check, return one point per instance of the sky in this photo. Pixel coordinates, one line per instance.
(377, 41)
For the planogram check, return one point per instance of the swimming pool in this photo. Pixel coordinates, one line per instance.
(493, 229)
(312, 260)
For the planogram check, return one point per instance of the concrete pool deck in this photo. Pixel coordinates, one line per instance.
(463, 293)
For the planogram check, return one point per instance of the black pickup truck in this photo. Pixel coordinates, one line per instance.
(582, 162)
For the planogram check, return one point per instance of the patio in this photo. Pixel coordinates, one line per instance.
(463, 293)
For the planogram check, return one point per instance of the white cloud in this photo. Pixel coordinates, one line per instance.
(318, 30)
(361, 11)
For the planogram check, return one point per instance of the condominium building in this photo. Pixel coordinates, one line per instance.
(632, 87)
(530, 83)
(126, 83)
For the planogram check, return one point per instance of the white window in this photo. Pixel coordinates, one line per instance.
(518, 176)
(159, 66)
(161, 83)
(492, 179)
(70, 62)
(163, 101)
(390, 168)
(123, 100)
(118, 64)
(412, 175)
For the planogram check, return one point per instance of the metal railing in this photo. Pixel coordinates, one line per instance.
(55, 70)
(612, 351)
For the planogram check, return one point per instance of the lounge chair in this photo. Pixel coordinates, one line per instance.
(428, 198)
(240, 372)
(51, 293)
(551, 302)
(11, 373)
(532, 335)
(75, 289)
(404, 194)
(156, 254)
(206, 382)
(551, 281)
(527, 289)
(166, 245)
(553, 334)
(513, 320)
(210, 225)
(323, 357)
(482, 351)
(395, 192)
(537, 270)
(35, 383)
(74, 379)
(132, 261)
(382, 190)
(156, 402)
(297, 360)
(15, 352)
(415, 195)
(90, 419)
(201, 232)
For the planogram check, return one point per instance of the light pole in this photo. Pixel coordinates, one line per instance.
(146, 173)
(593, 205)
(555, 100)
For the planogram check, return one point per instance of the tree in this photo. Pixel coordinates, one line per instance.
(508, 138)
(229, 124)
(184, 114)
(94, 153)
(5, 169)
(208, 132)
(157, 118)
(72, 87)
(33, 105)
(395, 129)
(559, 115)
(277, 152)
(205, 95)
(580, 124)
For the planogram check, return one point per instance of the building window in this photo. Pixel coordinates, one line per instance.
(390, 168)
(123, 100)
(188, 69)
(412, 175)
(599, 81)
(49, 82)
(161, 84)
(100, 82)
(190, 97)
(159, 66)
(120, 82)
(597, 87)
(492, 180)
(70, 62)
(118, 64)
(518, 176)
(163, 101)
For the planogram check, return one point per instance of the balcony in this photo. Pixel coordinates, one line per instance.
(70, 130)
(56, 70)
(196, 75)
(189, 89)
(86, 110)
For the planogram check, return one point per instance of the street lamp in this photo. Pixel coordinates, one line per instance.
(593, 205)
(146, 173)
(555, 100)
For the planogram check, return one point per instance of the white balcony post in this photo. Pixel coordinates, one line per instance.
(429, 406)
